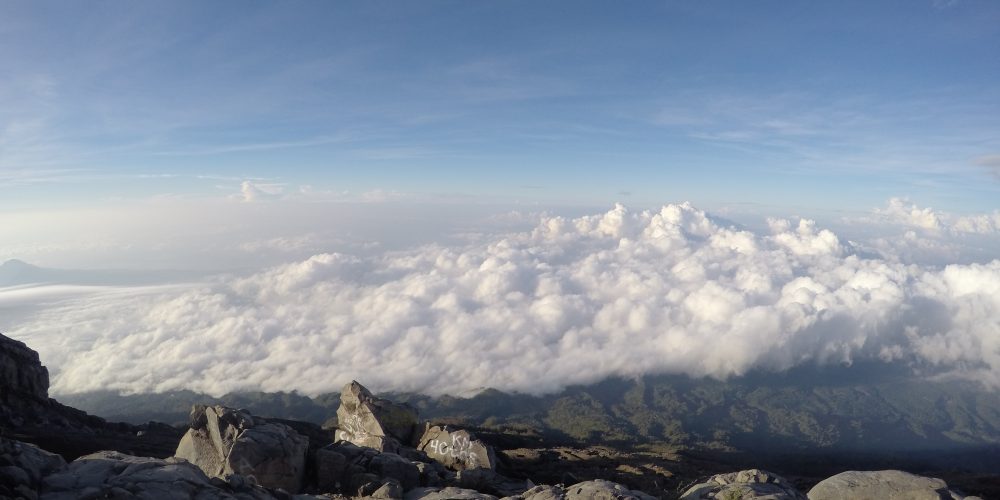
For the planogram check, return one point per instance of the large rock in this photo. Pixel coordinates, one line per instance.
(24, 384)
(597, 489)
(224, 441)
(22, 467)
(744, 485)
(456, 449)
(449, 493)
(109, 474)
(372, 422)
(882, 485)
(347, 467)
(21, 372)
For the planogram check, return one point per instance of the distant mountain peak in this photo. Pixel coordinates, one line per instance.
(17, 264)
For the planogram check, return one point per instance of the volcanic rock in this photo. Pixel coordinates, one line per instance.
(597, 489)
(372, 422)
(449, 493)
(746, 484)
(456, 449)
(110, 474)
(885, 484)
(223, 441)
(22, 467)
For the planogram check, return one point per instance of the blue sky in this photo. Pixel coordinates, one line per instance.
(375, 177)
(835, 105)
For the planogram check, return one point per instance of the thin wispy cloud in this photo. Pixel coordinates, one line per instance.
(261, 146)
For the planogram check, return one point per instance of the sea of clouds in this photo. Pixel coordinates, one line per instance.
(574, 300)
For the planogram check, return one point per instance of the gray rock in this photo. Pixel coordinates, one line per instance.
(330, 468)
(746, 484)
(489, 481)
(353, 467)
(456, 449)
(22, 467)
(372, 422)
(597, 489)
(225, 441)
(431, 474)
(393, 466)
(449, 493)
(110, 474)
(882, 485)
(21, 371)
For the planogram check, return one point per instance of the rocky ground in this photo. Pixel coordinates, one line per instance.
(376, 448)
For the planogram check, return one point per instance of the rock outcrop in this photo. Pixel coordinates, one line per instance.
(744, 485)
(597, 489)
(347, 467)
(22, 467)
(21, 372)
(456, 449)
(110, 474)
(372, 422)
(448, 493)
(28, 414)
(883, 485)
(224, 441)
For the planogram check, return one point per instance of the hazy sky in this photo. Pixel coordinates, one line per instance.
(795, 104)
(433, 186)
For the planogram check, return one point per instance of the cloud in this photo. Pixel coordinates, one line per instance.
(903, 212)
(573, 300)
(897, 210)
(255, 191)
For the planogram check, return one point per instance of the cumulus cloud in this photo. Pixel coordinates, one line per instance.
(931, 236)
(256, 191)
(574, 300)
(901, 211)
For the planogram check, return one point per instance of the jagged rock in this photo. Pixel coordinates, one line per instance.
(223, 441)
(456, 449)
(110, 474)
(24, 383)
(432, 474)
(21, 371)
(26, 409)
(883, 485)
(366, 420)
(449, 493)
(597, 489)
(746, 484)
(22, 467)
(355, 469)
(330, 468)
(489, 481)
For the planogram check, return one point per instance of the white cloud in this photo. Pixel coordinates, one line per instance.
(900, 211)
(255, 191)
(572, 301)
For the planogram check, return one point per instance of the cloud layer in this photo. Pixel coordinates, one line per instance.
(572, 301)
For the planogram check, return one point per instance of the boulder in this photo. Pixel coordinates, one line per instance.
(746, 484)
(490, 481)
(883, 485)
(372, 422)
(449, 493)
(110, 474)
(346, 466)
(22, 467)
(456, 449)
(597, 489)
(223, 441)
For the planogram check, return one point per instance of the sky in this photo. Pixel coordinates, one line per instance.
(837, 106)
(456, 168)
